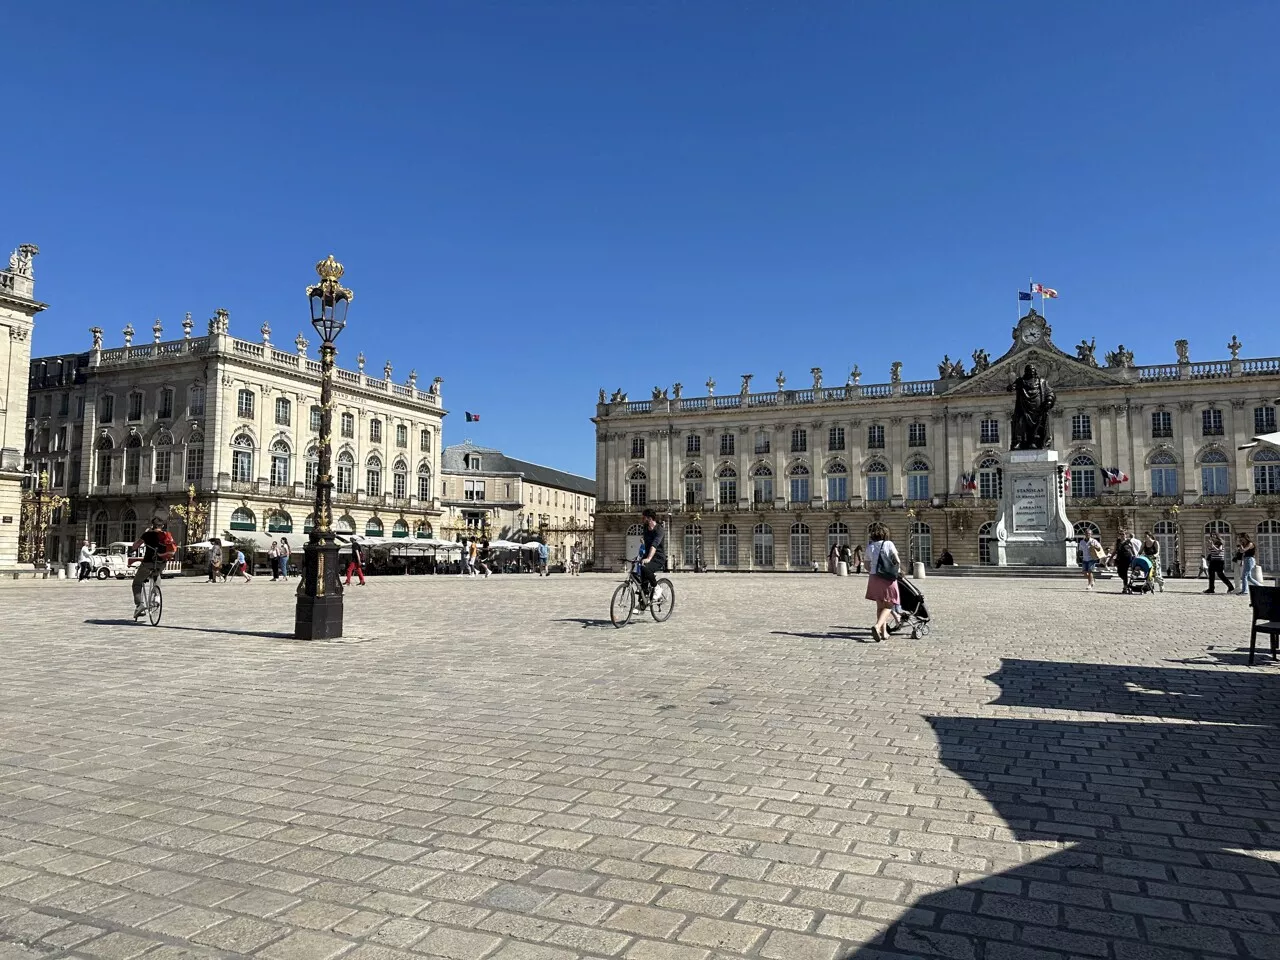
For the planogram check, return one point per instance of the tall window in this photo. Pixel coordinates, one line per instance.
(166, 403)
(693, 444)
(311, 467)
(1266, 472)
(317, 419)
(1264, 421)
(373, 476)
(129, 526)
(103, 475)
(762, 441)
(692, 544)
(921, 542)
(163, 462)
(132, 461)
(801, 548)
(400, 480)
(424, 441)
(987, 554)
(64, 404)
(727, 545)
(989, 479)
(917, 480)
(916, 435)
(638, 484)
(195, 400)
(1161, 424)
(726, 445)
(348, 425)
(135, 405)
(877, 481)
(798, 476)
(799, 440)
(472, 489)
(693, 486)
(762, 484)
(402, 435)
(637, 448)
(195, 461)
(375, 431)
(107, 409)
(837, 482)
(279, 463)
(1164, 475)
(100, 527)
(244, 404)
(424, 481)
(1211, 423)
(835, 438)
(762, 545)
(1084, 476)
(345, 479)
(875, 437)
(1167, 536)
(989, 431)
(837, 535)
(1213, 473)
(1268, 541)
(1081, 427)
(728, 484)
(242, 458)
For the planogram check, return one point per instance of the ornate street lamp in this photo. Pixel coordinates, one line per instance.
(194, 516)
(38, 508)
(318, 615)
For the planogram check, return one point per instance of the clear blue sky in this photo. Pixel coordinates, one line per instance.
(537, 199)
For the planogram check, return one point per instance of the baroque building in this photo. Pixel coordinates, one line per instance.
(224, 432)
(18, 308)
(487, 492)
(772, 480)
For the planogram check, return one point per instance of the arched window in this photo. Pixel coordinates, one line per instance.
(1213, 473)
(133, 460)
(373, 476)
(987, 544)
(1084, 476)
(195, 456)
(837, 535)
(798, 477)
(402, 435)
(400, 529)
(1166, 532)
(989, 478)
(279, 521)
(162, 456)
(727, 545)
(279, 463)
(635, 537)
(311, 466)
(638, 487)
(242, 518)
(309, 523)
(1086, 528)
(1164, 474)
(762, 545)
(692, 544)
(801, 548)
(373, 527)
(129, 525)
(877, 481)
(242, 458)
(284, 411)
(103, 454)
(100, 528)
(346, 472)
(1268, 541)
(727, 483)
(316, 419)
(1223, 529)
(837, 482)
(693, 486)
(762, 484)
(400, 479)
(424, 481)
(244, 404)
(344, 524)
(1266, 472)
(423, 530)
(921, 542)
(917, 479)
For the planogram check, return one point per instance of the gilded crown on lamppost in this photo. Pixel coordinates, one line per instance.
(330, 272)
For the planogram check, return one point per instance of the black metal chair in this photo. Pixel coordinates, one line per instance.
(1265, 602)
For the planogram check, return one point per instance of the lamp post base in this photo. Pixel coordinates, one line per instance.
(318, 615)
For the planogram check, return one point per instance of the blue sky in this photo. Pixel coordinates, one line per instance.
(537, 199)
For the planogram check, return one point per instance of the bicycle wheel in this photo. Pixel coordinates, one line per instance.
(623, 604)
(664, 600)
(155, 603)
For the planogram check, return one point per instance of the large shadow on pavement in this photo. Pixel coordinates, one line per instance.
(1150, 812)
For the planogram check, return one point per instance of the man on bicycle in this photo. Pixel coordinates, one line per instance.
(157, 547)
(653, 556)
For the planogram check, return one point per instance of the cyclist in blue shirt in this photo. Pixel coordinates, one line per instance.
(653, 554)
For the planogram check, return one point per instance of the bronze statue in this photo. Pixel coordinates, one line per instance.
(1033, 399)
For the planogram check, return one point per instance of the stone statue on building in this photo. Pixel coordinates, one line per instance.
(1234, 346)
(386, 371)
(895, 372)
(157, 330)
(1184, 350)
(676, 390)
(817, 378)
(360, 361)
(434, 389)
(265, 330)
(855, 375)
(659, 394)
(220, 322)
(980, 360)
(711, 387)
(780, 380)
(300, 344)
(602, 399)
(746, 383)
(944, 368)
(96, 332)
(187, 325)
(1033, 398)
(20, 261)
(1120, 357)
(1084, 351)
(128, 334)
(413, 379)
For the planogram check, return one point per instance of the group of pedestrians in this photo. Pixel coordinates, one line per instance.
(1215, 563)
(842, 553)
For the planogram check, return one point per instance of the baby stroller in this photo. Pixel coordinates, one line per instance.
(1140, 578)
(915, 614)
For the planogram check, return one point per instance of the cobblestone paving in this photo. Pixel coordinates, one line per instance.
(495, 773)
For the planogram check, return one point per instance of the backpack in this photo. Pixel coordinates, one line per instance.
(167, 547)
(887, 565)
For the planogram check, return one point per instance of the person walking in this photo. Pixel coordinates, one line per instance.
(241, 566)
(883, 564)
(285, 553)
(544, 559)
(1217, 562)
(1090, 552)
(483, 561)
(86, 561)
(833, 557)
(273, 557)
(1247, 554)
(356, 563)
(1151, 550)
(473, 557)
(855, 562)
(1122, 556)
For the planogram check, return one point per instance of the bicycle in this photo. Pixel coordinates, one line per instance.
(629, 595)
(152, 599)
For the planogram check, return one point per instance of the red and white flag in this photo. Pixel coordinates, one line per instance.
(1044, 291)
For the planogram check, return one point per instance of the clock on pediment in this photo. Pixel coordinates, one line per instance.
(1032, 330)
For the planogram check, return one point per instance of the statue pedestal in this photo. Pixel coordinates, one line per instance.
(1032, 529)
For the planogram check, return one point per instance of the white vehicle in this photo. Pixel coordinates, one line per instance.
(133, 557)
(108, 563)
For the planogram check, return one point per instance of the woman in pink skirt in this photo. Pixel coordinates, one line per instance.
(881, 587)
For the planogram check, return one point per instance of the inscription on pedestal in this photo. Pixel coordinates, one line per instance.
(1030, 505)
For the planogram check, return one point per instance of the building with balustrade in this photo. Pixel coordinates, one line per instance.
(770, 481)
(18, 309)
(224, 431)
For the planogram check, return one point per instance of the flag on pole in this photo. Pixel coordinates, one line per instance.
(1023, 295)
(968, 481)
(1114, 476)
(1045, 291)
(472, 417)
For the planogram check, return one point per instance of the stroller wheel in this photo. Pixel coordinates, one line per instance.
(915, 633)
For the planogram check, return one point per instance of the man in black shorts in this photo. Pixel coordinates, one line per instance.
(157, 547)
(654, 556)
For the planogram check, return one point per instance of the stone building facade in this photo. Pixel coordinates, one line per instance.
(18, 309)
(516, 499)
(771, 480)
(229, 427)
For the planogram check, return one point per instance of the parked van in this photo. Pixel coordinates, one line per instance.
(133, 557)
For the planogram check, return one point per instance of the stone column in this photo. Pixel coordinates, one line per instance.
(1184, 431)
(1240, 426)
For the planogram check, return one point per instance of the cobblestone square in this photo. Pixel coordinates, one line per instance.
(488, 770)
